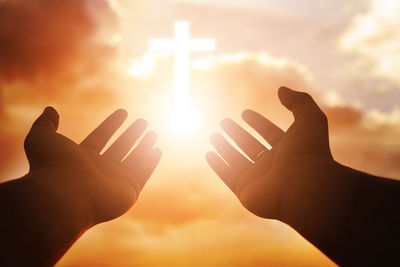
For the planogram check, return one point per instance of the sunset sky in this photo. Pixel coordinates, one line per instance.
(90, 57)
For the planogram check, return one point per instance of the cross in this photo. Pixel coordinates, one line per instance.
(181, 46)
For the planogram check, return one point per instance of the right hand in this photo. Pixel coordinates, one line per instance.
(287, 180)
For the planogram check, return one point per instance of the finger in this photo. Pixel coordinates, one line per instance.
(99, 137)
(233, 157)
(117, 151)
(303, 106)
(141, 151)
(150, 165)
(142, 170)
(250, 145)
(48, 120)
(221, 169)
(269, 131)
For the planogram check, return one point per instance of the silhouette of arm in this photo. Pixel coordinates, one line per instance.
(350, 216)
(359, 227)
(71, 187)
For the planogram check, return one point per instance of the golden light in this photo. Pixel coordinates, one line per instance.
(181, 46)
(143, 67)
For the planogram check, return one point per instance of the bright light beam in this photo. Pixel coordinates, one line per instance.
(181, 46)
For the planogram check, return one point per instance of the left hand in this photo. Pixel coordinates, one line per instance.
(100, 187)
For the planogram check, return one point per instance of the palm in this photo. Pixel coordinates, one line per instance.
(275, 178)
(108, 183)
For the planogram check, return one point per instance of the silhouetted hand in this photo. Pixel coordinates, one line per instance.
(349, 215)
(100, 186)
(278, 181)
(71, 187)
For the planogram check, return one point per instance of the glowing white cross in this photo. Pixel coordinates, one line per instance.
(181, 45)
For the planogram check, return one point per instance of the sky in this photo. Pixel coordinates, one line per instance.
(90, 57)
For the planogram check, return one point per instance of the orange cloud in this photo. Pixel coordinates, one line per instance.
(40, 37)
(48, 46)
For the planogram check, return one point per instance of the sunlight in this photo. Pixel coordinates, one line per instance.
(187, 124)
(142, 67)
(181, 46)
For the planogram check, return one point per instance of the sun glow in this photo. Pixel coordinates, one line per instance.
(142, 67)
(181, 46)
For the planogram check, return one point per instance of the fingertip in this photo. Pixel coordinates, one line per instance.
(139, 126)
(48, 119)
(286, 96)
(246, 114)
(121, 112)
(49, 109)
(119, 116)
(252, 117)
(227, 124)
(152, 135)
(285, 89)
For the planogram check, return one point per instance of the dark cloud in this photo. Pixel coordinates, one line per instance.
(44, 39)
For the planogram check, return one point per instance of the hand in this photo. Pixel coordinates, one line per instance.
(286, 180)
(99, 187)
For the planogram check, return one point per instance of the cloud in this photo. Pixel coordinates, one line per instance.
(48, 39)
(249, 78)
(305, 32)
(375, 35)
(376, 119)
(343, 116)
(51, 53)
(371, 39)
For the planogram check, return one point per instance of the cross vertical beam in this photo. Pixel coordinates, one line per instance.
(181, 46)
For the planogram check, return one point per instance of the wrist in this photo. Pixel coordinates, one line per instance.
(62, 195)
(323, 212)
(41, 222)
(319, 197)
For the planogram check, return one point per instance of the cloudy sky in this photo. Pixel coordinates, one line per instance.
(87, 58)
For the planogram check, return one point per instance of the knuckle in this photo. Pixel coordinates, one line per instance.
(306, 97)
(29, 141)
(324, 118)
(303, 99)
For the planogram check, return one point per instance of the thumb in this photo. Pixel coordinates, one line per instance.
(301, 104)
(48, 120)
